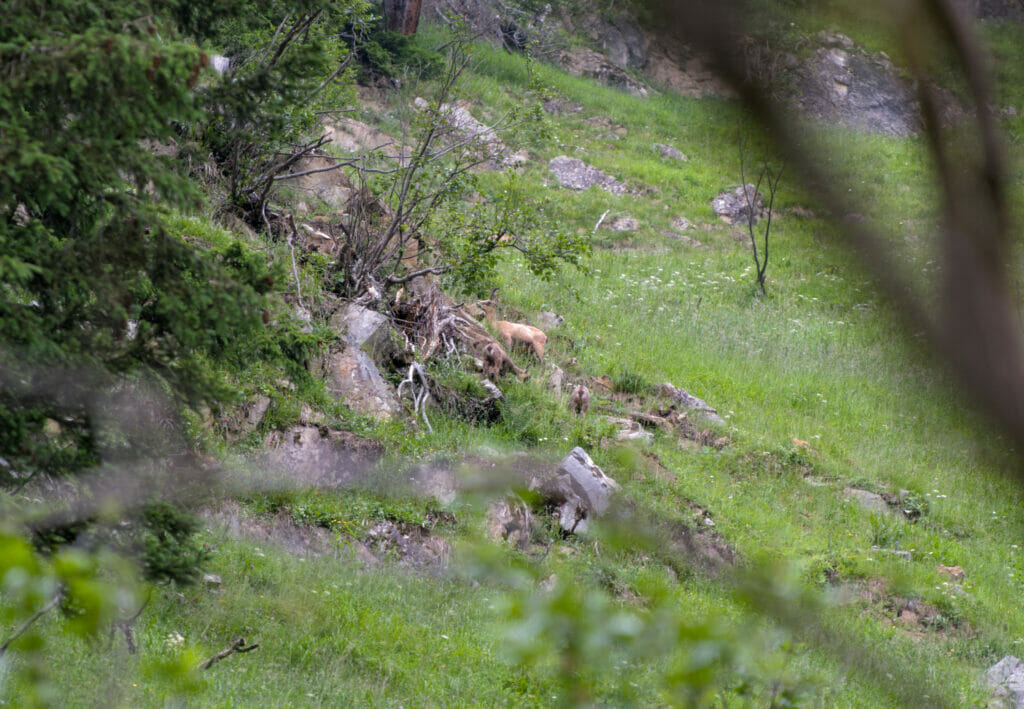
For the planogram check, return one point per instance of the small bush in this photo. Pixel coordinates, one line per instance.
(630, 382)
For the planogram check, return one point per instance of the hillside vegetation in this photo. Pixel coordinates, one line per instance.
(845, 534)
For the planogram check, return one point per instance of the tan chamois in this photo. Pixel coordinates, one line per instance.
(512, 332)
(496, 363)
(579, 401)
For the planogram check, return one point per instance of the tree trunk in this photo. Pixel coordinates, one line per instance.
(402, 15)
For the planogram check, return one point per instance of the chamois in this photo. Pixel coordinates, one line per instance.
(510, 332)
(579, 401)
(496, 362)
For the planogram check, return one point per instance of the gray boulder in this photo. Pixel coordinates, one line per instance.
(352, 376)
(351, 370)
(735, 206)
(581, 490)
(624, 224)
(1006, 677)
(588, 481)
(371, 332)
(461, 125)
(250, 416)
(621, 38)
(575, 174)
(870, 501)
(670, 152)
(556, 380)
(1011, 10)
(510, 521)
(690, 402)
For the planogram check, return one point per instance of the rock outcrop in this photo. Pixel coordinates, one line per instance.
(842, 83)
(594, 65)
(1006, 677)
(319, 456)
(351, 366)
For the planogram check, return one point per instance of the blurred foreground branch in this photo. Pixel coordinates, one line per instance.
(972, 325)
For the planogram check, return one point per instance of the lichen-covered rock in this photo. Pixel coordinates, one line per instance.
(624, 224)
(735, 206)
(575, 174)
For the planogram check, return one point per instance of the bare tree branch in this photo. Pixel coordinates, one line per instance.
(53, 602)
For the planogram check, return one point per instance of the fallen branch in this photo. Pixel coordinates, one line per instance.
(238, 646)
(36, 616)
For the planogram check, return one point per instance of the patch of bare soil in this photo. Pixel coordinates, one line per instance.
(914, 617)
(699, 545)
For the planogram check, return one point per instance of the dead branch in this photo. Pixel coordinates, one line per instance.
(238, 646)
(332, 77)
(293, 175)
(53, 602)
(295, 271)
(127, 626)
(420, 396)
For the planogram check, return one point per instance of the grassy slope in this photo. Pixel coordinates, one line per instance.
(820, 358)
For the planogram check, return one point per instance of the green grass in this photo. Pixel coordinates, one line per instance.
(821, 358)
